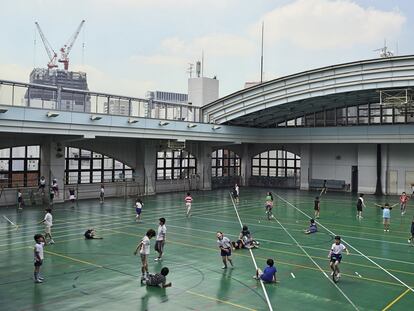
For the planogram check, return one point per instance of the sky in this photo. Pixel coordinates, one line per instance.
(129, 47)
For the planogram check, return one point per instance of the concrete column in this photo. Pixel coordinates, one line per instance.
(367, 168)
(52, 165)
(305, 166)
(246, 165)
(145, 168)
(203, 155)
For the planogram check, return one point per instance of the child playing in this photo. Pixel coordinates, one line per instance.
(335, 255)
(55, 187)
(160, 240)
(324, 188)
(38, 257)
(268, 275)
(138, 209)
(48, 221)
(19, 199)
(312, 227)
(90, 234)
(360, 205)
(188, 202)
(72, 196)
(102, 194)
(236, 193)
(246, 238)
(42, 185)
(269, 205)
(144, 250)
(411, 239)
(386, 215)
(317, 207)
(224, 245)
(157, 279)
(51, 196)
(403, 202)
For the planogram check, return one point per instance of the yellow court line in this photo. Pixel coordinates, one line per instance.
(277, 261)
(395, 300)
(219, 300)
(73, 259)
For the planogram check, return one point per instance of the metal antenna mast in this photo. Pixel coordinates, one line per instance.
(261, 56)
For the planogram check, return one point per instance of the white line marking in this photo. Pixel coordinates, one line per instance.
(251, 254)
(355, 249)
(293, 276)
(316, 264)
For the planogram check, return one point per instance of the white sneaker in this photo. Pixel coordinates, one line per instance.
(409, 240)
(255, 277)
(38, 281)
(338, 275)
(52, 242)
(224, 267)
(332, 273)
(385, 230)
(158, 259)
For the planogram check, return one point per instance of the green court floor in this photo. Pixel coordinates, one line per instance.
(104, 274)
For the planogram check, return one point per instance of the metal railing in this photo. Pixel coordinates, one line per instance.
(65, 99)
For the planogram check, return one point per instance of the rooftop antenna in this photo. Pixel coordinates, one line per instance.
(384, 52)
(261, 56)
(198, 69)
(34, 48)
(396, 48)
(83, 46)
(190, 69)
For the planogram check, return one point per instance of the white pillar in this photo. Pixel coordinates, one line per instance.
(52, 165)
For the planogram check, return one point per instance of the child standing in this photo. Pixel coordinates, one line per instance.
(268, 275)
(312, 227)
(386, 215)
(38, 257)
(55, 187)
(144, 251)
(188, 202)
(42, 185)
(48, 221)
(236, 193)
(360, 205)
(157, 279)
(317, 207)
(72, 196)
(411, 239)
(269, 205)
(102, 194)
(335, 255)
(160, 240)
(324, 188)
(51, 196)
(138, 209)
(403, 202)
(224, 245)
(19, 199)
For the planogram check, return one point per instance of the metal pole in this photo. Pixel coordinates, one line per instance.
(261, 57)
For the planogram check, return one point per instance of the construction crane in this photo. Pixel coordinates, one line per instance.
(65, 50)
(49, 50)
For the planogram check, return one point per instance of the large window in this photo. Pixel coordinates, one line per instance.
(276, 163)
(225, 162)
(20, 166)
(175, 164)
(85, 166)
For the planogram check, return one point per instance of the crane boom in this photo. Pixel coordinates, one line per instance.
(65, 50)
(49, 50)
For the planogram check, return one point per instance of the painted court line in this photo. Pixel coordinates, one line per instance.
(395, 300)
(319, 267)
(359, 252)
(254, 260)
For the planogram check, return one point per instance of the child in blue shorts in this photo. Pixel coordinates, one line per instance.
(312, 227)
(138, 209)
(268, 275)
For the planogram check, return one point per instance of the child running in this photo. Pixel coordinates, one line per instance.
(317, 207)
(144, 251)
(38, 257)
(360, 205)
(312, 227)
(268, 275)
(403, 202)
(236, 193)
(138, 209)
(157, 279)
(224, 245)
(386, 215)
(160, 240)
(269, 205)
(411, 239)
(335, 255)
(188, 202)
(55, 187)
(324, 188)
(102, 194)
(48, 221)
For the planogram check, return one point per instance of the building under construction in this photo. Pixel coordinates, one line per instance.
(59, 97)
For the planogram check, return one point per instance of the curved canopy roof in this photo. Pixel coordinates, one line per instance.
(269, 103)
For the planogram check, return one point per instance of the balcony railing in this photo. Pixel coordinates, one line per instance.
(64, 99)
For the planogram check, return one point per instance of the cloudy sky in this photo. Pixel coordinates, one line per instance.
(132, 46)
